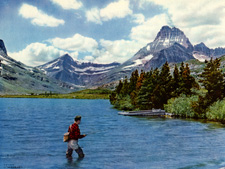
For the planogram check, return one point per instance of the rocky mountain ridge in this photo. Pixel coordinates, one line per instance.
(170, 44)
(66, 69)
(18, 78)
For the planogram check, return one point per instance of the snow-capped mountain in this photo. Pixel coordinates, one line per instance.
(167, 37)
(66, 69)
(170, 44)
(17, 78)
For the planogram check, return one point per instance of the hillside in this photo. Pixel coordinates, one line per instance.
(17, 78)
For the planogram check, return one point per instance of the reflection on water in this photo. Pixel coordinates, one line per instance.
(73, 163)
(32, 131)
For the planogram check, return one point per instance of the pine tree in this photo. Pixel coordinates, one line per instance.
(112, 98)
(145, 93)
(181, 79)
(133, 81)
(212, 79)
(125, 88)
(163, 88)
(181, 68)
(119, 87)
(188, 81)
(175, 81)
(140, 80)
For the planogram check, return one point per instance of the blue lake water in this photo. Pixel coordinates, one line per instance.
(31, 134)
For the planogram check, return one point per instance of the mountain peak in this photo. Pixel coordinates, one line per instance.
(167, 32)
(66, 57)
(201, 45)
(166, 27)
(167, 36)
(66, 69)
(2, 46)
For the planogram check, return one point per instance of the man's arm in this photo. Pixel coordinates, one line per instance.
(82, 136)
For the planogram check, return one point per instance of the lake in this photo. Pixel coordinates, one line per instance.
(31, 136)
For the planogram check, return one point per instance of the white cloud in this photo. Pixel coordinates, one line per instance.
(37, 53)
(68, 4)
(89, 58)
(119, 51)
(111, 51)
(76, 43)
(119, 9)
(40, 53)
(74, 55)
(193, 13)
(93, 15)
(139, 18)
(211, 35)
(38, 17)
(147, 31)
(202, 20)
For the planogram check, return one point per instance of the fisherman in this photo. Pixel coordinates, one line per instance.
(74, 135)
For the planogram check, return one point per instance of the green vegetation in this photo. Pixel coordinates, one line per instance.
(181, 106)
(212, 79)
(83, 94)
(179, 93)
(153, 89)
(216, 112)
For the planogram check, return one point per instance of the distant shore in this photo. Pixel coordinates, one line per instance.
(83, 94)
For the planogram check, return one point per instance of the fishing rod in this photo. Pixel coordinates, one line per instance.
(93, 132)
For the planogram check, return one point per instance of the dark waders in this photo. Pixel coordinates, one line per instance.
(79, 151)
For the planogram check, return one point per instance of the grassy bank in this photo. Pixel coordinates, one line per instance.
(182, 107)
(83, 94)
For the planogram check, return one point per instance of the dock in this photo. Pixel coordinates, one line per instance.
(153, 112)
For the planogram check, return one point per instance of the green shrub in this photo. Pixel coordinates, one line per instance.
(181, 106)
(124, 103)
(216, 111)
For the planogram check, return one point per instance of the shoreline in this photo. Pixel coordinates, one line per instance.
(83, 94)
(59, 96)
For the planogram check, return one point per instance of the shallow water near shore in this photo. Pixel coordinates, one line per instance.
(31, 136)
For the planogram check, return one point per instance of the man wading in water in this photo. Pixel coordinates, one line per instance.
(73, 138)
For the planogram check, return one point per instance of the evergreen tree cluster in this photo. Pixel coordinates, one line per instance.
(212, 78)
(153, 89)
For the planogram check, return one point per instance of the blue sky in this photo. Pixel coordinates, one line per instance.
(102, 31)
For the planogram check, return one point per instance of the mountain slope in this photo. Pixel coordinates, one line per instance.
(66, 69)
(202, 52)
(17, 78)
(170, 44)
(173, 54)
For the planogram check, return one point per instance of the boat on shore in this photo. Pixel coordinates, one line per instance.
(153, 112)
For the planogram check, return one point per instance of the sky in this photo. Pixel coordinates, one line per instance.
(102, 31)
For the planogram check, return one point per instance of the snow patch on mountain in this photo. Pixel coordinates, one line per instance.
(140, 62)
(65, 68)
(91, 68)
(200, 57)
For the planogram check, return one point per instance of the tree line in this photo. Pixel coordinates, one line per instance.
(154, 88)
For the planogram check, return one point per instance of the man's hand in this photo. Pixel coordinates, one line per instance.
(85, 135)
